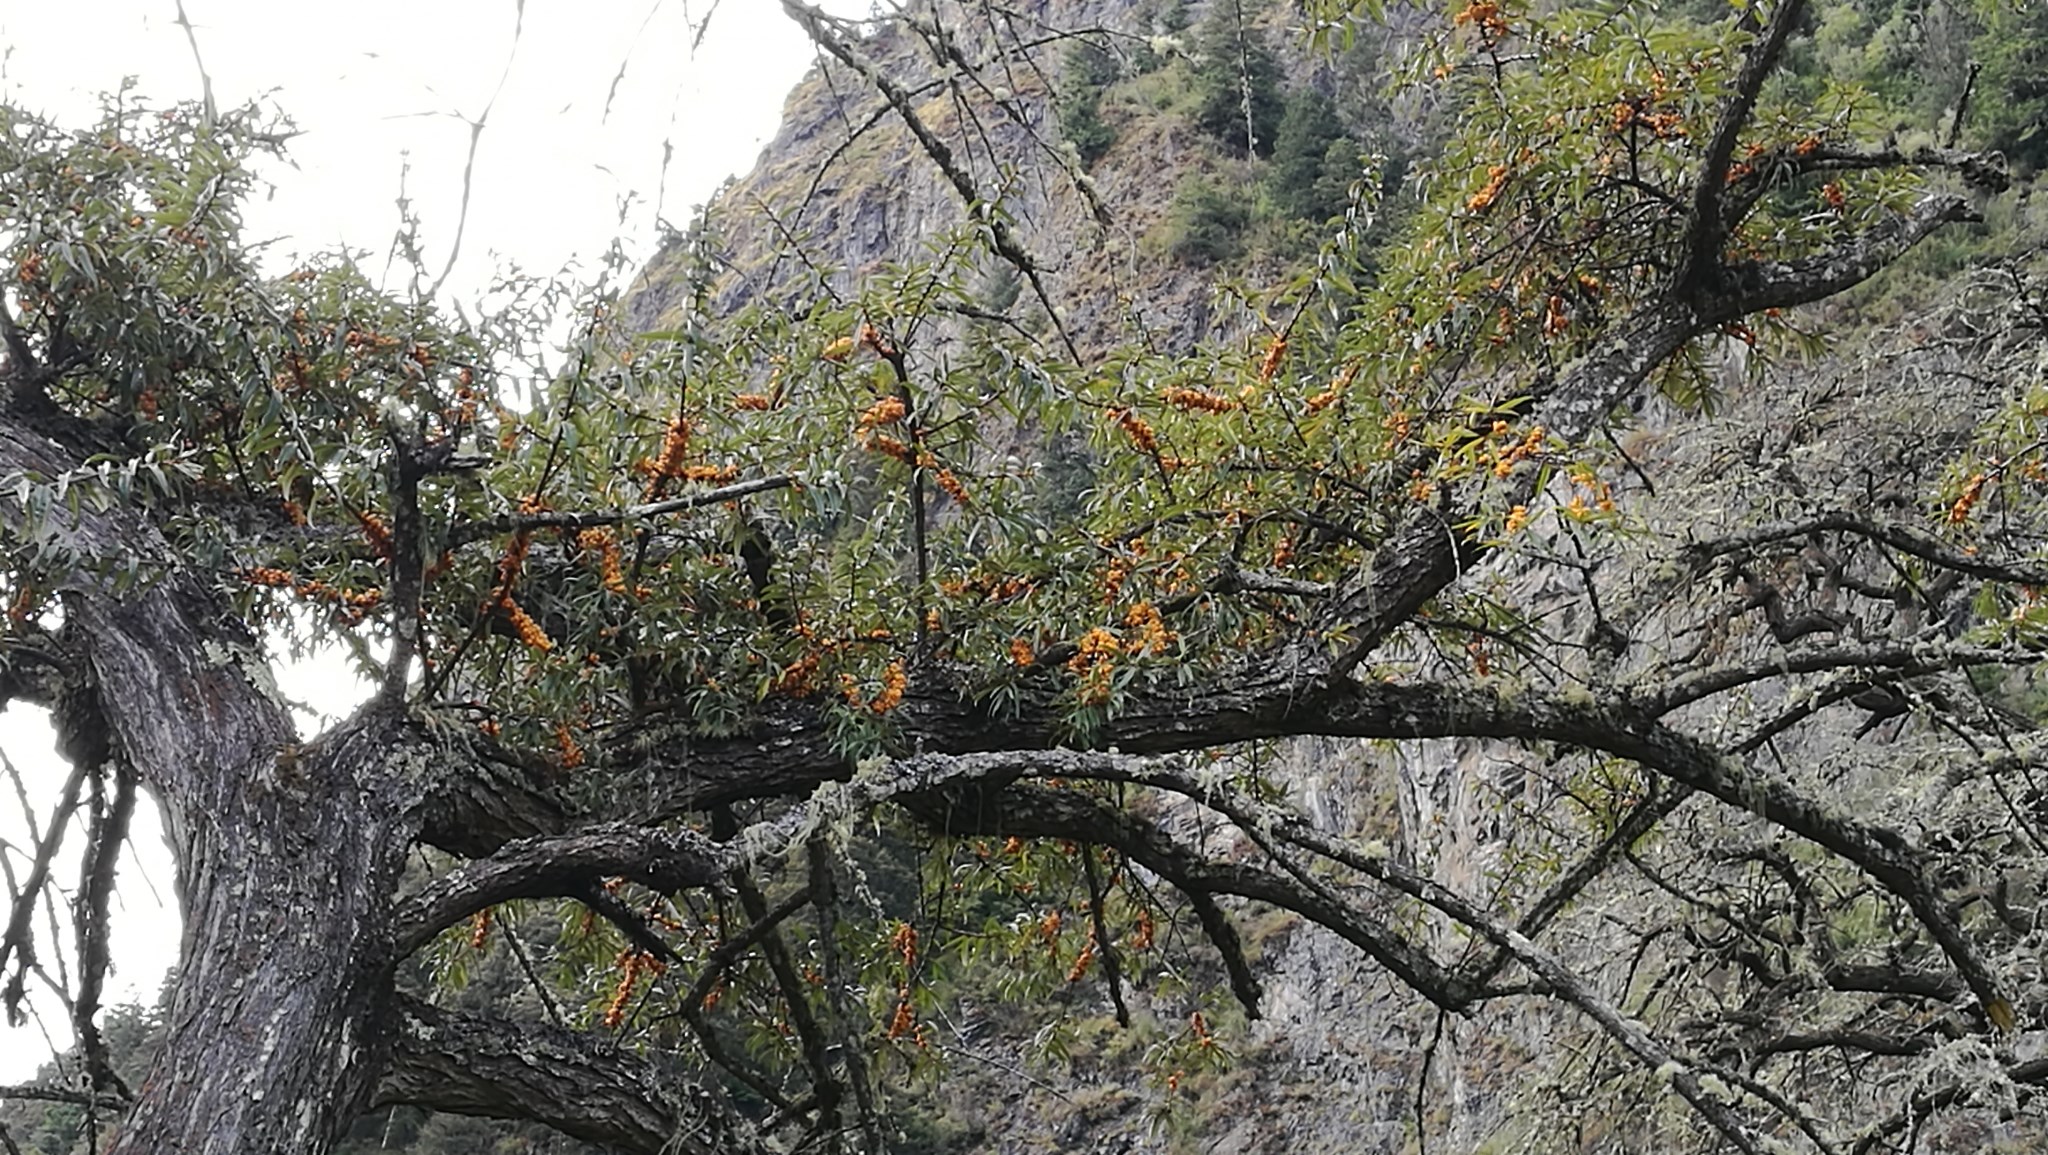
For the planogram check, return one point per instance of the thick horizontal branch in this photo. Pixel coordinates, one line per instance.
(45, 1093)
(581, 1086)
(790, 751)
(1039, 812)
(1753, 286)
(1985, 170)
(563, 864)
(481, 798)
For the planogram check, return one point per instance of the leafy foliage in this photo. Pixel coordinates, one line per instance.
(760, 586)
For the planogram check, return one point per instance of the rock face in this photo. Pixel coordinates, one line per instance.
(844, 190)
(1344, 1058)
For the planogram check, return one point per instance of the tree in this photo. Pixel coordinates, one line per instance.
(700, 640)
(1237, 81)
(2013, 112)
(1090, 69)
(1314, 162)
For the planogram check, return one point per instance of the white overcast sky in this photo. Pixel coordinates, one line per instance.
(384, 92)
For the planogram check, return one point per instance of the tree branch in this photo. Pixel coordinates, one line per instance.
(1704, 228)
(108, 830)
(471, 1065)
(1002, 238)
(662, 860)
(1905, 539)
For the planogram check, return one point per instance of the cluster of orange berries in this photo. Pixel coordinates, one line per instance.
(1496, 180)
(1021, 653)
(755, 401)
(1081, 962)
(1135, 428)
(1602, 499)
(1973, 491)
(355, 605)
(675, 445)
(1283, 551)
(1141, 939)
(606, 547)
(565, 741)
(514, 560)
(871, 338)
(1399, 423)
(358, 339)
(528, 631)
(1481, 663)
(891, 447)
(904, 942)
(1505, 460)
(1152, 636)
(1485, 16)
(464, 412)
(799, 679)
(479, 928)
(1095, 660)
(945, 480)
(716, 474)
(1197, 400)
(24, 602)
(296, 374)
(904, 1021)
(376, 533)
(1275, 354)
(1555, 319)
(1664, 125)
(894, 680)
(1113, 579)
(631, 965)
(887, 411)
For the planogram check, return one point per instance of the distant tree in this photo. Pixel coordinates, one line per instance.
(1314, 160)
(753, 657)
(1207, 221)
(1238, 83)
(1090, 69)
(2009, 109)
